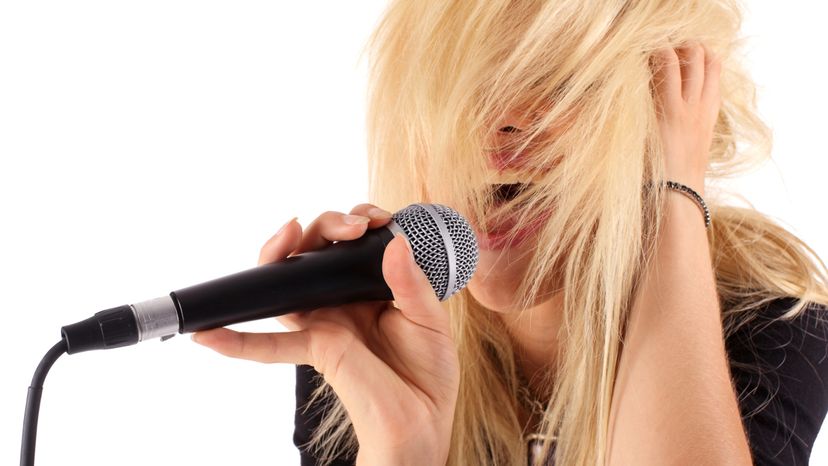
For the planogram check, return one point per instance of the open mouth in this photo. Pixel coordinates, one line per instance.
(502, 231)
(500, 193)
(506, 191)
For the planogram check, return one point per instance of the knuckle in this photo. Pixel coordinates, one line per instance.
(241, 349)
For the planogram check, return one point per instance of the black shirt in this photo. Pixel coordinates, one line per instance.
(779, 370)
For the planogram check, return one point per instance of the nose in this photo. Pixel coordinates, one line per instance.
(503, 157)
(507, 137)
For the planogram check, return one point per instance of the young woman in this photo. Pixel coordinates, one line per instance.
(606, 323)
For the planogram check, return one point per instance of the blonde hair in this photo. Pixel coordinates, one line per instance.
(441, 74)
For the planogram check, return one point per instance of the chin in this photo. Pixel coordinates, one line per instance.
(499, 275)
(497, 278)
(492, 299)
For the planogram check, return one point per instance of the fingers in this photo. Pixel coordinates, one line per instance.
(712, 76)
(327, 349)
(666, 83)
(328, 227)
(324, 230)
(687, 74)
(334, 226)
(372, 211)
(691, 59)
(413, 293)
(287, 347)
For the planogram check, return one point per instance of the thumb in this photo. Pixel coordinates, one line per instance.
(413, 293)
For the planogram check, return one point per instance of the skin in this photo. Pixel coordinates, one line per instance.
(394, 366)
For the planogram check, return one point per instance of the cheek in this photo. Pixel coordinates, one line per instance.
(491, 298)
(496, 279)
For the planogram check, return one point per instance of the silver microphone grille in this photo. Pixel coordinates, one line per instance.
(443, 243)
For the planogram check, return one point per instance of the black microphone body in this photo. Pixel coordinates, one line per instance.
(344, 272)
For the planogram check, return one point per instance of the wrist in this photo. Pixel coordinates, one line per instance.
(692, 196)
(370, 457)
(422, 449)
(426, 442)
(682, 217)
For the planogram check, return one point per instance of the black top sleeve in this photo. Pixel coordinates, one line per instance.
(779, 370)
(306, 421)
(780, 373)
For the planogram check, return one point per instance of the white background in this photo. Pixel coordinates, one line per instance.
(148, 146)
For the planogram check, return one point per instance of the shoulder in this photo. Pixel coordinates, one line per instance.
(779, 366)
(769, 340)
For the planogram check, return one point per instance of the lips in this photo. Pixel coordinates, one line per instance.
(506, 160)
(500, 231)
(502, 236)
(500, 194)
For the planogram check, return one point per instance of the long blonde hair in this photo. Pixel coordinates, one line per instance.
(441, 72)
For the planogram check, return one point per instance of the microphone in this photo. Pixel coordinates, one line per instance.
(443, 243)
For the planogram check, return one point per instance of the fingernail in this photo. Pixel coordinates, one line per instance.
(279, 232)
(194, 337)
(355, 219)
(376, 212)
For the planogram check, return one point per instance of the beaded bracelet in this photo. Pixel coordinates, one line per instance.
(692, 195)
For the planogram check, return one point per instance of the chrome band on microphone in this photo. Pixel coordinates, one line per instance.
(156, 318)
(452, 257)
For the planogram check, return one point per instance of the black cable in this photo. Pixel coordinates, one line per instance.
(27, 446)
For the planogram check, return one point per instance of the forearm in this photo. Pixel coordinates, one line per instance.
(673, 401)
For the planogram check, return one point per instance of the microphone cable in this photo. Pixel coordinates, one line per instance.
(27, 446)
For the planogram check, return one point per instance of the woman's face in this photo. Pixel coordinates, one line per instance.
(502, 264)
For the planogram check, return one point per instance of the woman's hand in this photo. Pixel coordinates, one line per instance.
(686, 82)
(395, 369)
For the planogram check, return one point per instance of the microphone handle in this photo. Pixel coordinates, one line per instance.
(342, 273)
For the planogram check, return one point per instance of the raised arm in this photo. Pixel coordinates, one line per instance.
(673, 402)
